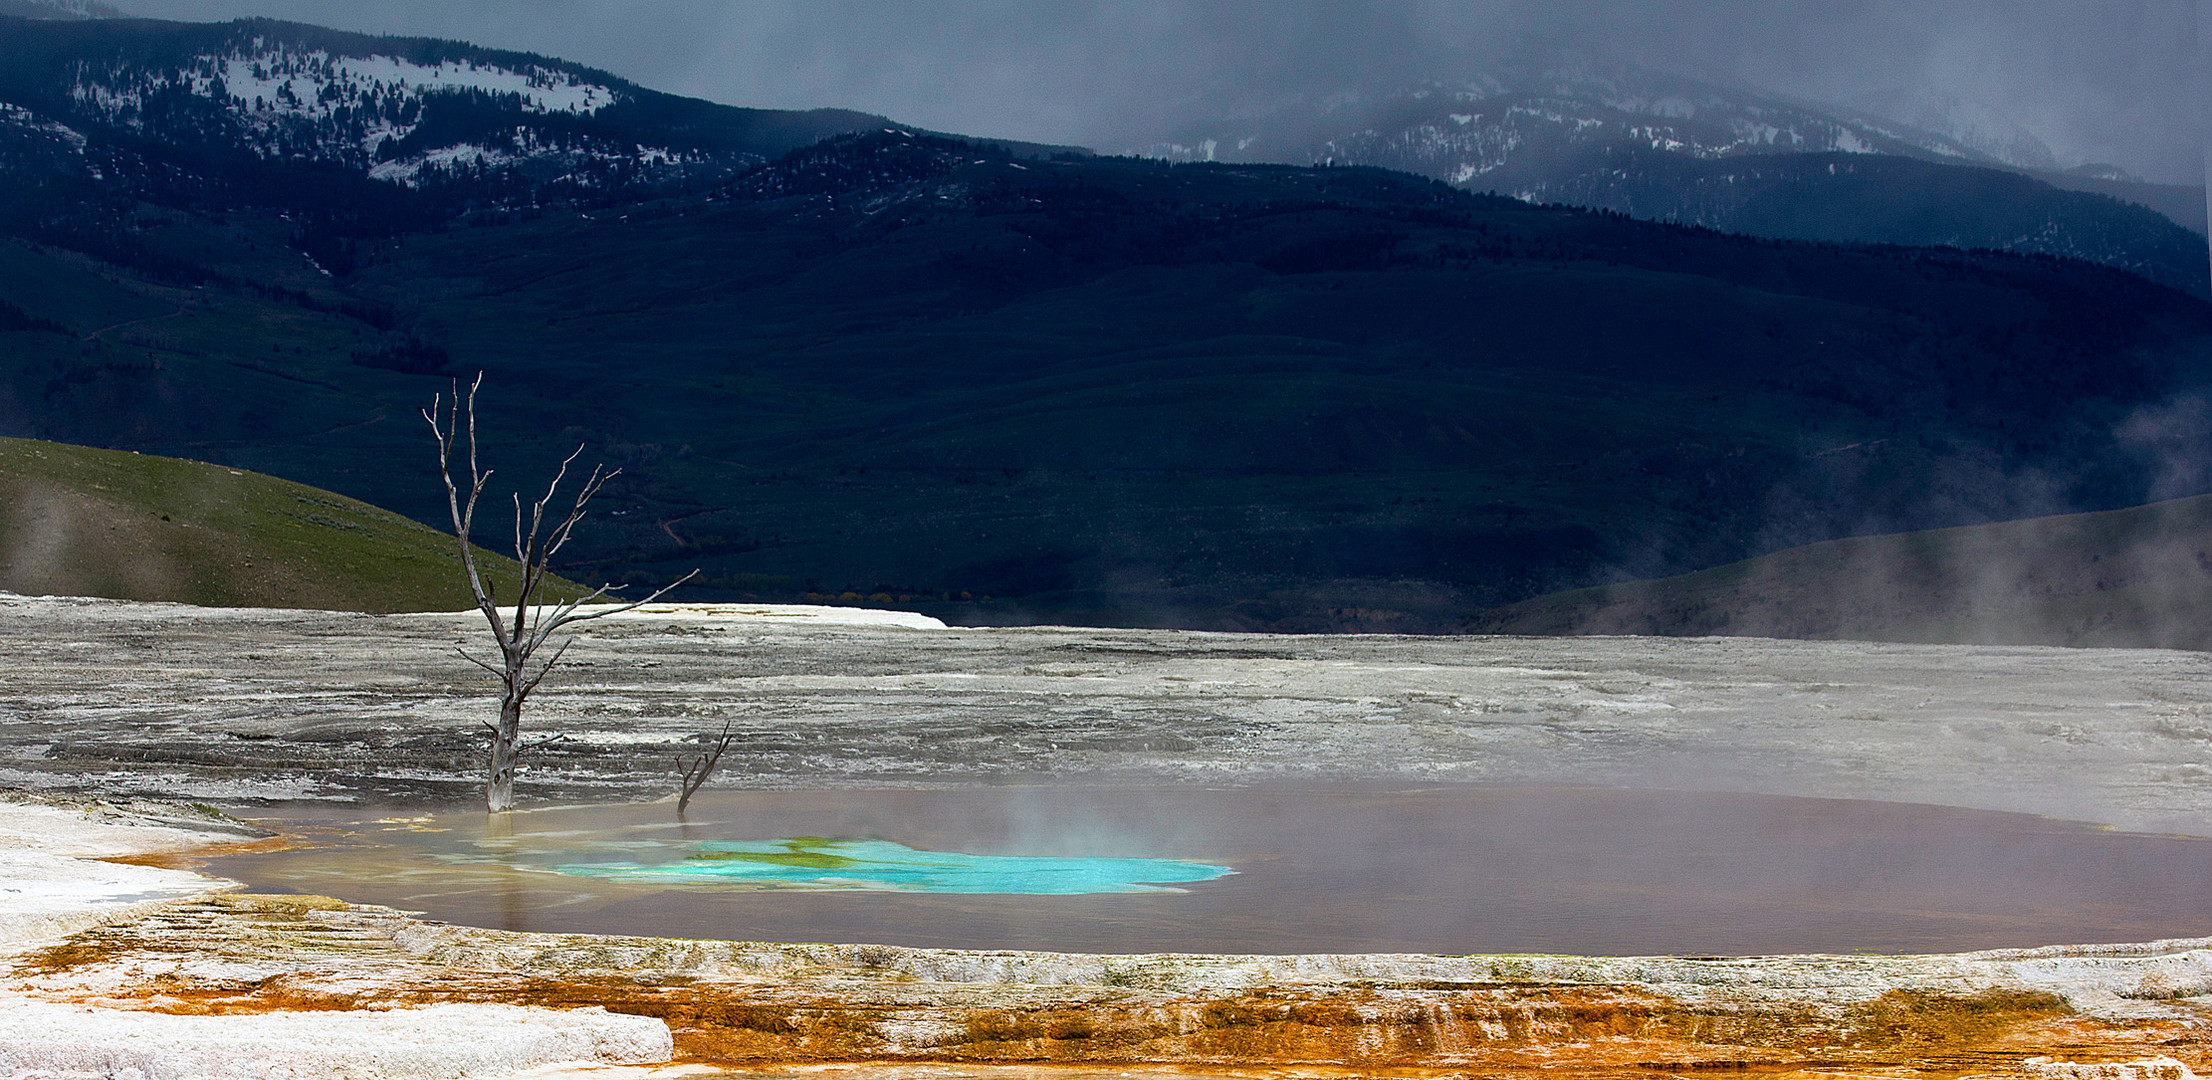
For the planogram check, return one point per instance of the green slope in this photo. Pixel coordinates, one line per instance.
(76, 521)
(2138, 577)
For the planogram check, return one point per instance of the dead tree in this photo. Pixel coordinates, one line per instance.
(532, 624)
(695, 772)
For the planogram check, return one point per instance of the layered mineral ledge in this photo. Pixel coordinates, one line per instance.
(194, 980)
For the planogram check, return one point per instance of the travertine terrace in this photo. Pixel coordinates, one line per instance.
(235, 706)
(239, 705)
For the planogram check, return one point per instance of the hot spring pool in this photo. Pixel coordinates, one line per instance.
(854, 863)
(1448, 869)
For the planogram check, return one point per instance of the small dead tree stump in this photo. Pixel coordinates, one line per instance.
(696, 771)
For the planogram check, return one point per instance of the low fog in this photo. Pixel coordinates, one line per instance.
(2113, 81)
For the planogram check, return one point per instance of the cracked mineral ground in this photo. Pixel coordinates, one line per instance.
(253, 707)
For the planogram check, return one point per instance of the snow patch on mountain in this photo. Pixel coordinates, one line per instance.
(1970, 124)
(1466, 131)
(356, 110)
(22, 119)
(445, 157)
(372, 112)
(64, 10)
(316, 84)
(269, 83)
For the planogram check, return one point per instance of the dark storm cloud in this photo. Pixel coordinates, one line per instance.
(2109, 80)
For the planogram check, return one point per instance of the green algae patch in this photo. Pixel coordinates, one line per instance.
(814, 862)
(796, 853)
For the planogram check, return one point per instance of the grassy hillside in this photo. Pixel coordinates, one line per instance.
(76, 521)
(2138, 577)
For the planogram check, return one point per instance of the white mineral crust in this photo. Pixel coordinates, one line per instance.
(66, 1042)
(51, 886)
(50, 896)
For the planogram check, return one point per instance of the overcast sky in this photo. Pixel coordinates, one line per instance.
(2098, 80)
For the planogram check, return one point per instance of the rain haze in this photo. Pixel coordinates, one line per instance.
(2106, 82)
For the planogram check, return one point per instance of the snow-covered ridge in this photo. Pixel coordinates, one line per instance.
(282, 101)
(71, 10)
(270, 82)
(1466, 131)
(1464, 147)
(313, 83)
(1972, 126)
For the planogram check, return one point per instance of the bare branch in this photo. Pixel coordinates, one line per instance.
(546, 624)
(464, 513)
(529, 587)
(534, 549)
(619, 609)
(479, 663)
(695, 773)
(584, 495)
(543, 671)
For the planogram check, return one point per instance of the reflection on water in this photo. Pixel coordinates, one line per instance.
(818, 862)
(1448, 869)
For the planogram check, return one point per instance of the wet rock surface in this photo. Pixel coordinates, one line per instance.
(239, 706)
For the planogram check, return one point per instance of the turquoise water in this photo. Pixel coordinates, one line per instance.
(815, 862)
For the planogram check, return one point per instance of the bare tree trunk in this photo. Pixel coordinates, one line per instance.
(533, 624)
(499, 786)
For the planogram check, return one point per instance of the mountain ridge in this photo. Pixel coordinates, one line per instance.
(1653, 145)
(60, 9)
(138, 100)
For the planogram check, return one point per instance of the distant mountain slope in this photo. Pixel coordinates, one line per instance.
(1513, 120)
(1002, 388)
(2181, 203)
(76, 521)
(265, 113)
(1670, 148)
(59, 9)
(1871, 198)
(2139, 577)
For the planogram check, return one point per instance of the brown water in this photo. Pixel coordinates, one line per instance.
(1447, 869)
